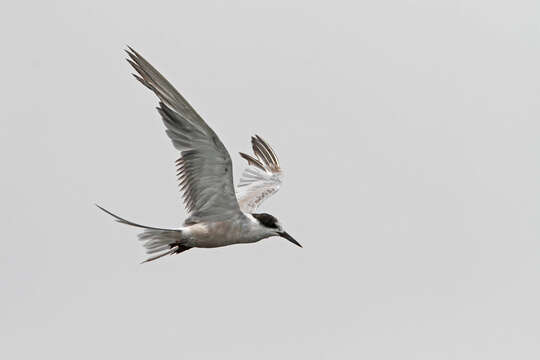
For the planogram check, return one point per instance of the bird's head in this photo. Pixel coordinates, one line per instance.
(272, 227)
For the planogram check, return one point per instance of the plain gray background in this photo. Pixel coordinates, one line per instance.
(408, 131)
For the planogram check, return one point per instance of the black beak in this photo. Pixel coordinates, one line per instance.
(284, 234)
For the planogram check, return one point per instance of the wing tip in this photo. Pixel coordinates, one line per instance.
(264, 152)
(252, 161)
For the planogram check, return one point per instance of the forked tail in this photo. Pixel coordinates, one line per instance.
(155, 240)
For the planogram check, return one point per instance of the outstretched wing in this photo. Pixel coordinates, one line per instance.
(261, 179)
(205, 167)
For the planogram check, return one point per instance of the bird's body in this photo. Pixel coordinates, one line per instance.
(219, 215)
(243, 230)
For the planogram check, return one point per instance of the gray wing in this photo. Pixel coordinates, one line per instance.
(205, 167)
(261, 179)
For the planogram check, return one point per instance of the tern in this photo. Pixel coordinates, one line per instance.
(218, 214)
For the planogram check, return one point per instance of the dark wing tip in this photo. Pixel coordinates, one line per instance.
(264, 152)
(252, 161)
(131, 52)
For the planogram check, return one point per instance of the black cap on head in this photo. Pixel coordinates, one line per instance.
(271, 222)
(266, 220)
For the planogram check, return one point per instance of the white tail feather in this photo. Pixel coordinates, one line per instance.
(156, 240)
(159, 240)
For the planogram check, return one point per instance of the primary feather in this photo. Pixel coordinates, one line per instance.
(261, 179)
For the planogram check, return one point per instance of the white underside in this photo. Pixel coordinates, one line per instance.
(223, 233)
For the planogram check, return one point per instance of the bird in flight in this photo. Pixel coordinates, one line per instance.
(218, 215)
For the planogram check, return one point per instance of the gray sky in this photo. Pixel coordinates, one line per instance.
(408, 131)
